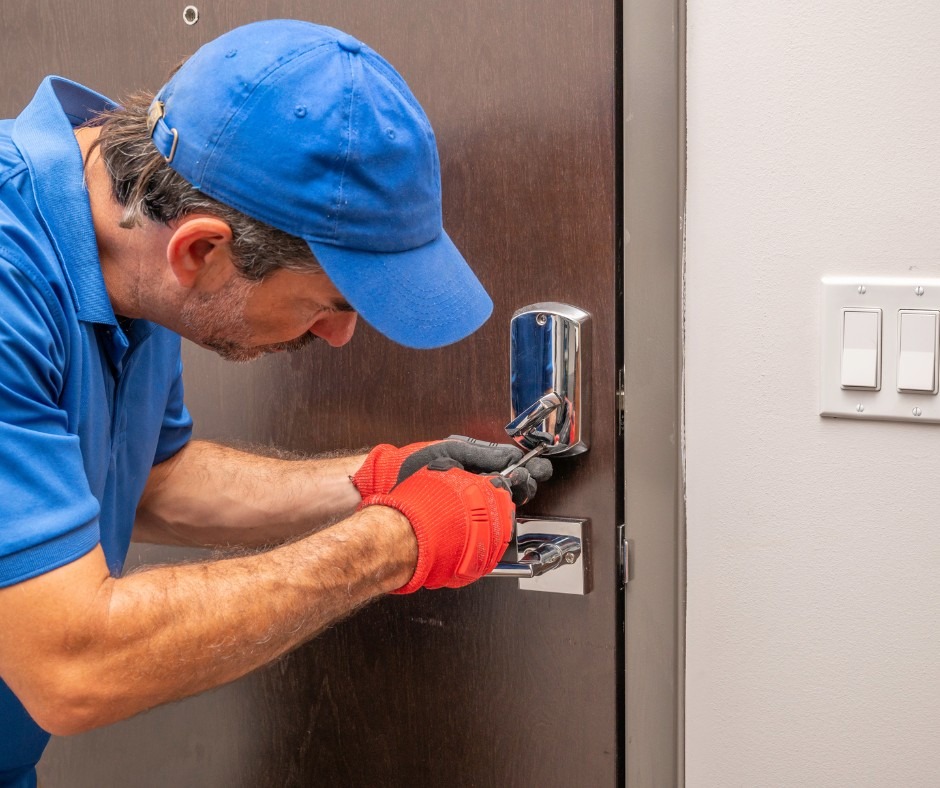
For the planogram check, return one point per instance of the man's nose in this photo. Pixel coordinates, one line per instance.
(336, 328)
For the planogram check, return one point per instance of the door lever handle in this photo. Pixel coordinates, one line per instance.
(552, 553)
(540, 553)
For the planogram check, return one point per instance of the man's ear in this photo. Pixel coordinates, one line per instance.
(200, 252)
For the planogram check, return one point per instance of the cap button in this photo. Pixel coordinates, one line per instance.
(349, 44)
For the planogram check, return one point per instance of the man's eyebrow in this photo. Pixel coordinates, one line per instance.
(341, 305)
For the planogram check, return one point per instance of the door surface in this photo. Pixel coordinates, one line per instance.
(489, 685)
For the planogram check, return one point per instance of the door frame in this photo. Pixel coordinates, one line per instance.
(653, 188)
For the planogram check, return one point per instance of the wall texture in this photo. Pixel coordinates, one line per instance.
(813, 544)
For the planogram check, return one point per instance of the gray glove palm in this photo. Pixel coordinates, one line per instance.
(478, 456)
(387, 466)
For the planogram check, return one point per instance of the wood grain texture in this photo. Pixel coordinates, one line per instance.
(487, 686)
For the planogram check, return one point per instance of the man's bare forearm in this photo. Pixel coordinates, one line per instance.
(214, 495)
(162, 634)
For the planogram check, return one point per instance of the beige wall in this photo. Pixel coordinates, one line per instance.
(813, 652)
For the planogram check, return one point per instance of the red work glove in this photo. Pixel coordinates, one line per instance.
(463, 523)
(379, 472)
(387, 465)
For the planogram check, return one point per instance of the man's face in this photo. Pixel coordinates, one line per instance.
(286, 311)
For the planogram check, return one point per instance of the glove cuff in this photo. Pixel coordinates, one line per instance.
(379, 471)
(423, 567)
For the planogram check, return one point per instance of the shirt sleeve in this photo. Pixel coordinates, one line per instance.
(177, 426)
(48, 515)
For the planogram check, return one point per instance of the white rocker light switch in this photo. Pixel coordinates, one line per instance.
(917, 351)
(861, 349)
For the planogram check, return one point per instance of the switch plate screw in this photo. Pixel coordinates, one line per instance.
(862, 289)
(541, 319)
(919, 290)
(917, 411)
(190, 15)
(860, 408)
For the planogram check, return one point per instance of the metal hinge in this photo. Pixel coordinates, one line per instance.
(624, 551)
(621, 402)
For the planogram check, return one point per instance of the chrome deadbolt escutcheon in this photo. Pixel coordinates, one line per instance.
(549, 374)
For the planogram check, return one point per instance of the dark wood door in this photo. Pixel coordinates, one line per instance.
(489, 685)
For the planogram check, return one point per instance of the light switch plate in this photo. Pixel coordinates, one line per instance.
(891, 296)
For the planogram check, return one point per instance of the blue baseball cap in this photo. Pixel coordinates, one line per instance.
(309, 130)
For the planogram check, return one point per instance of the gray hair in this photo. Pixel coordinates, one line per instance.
(148, 188)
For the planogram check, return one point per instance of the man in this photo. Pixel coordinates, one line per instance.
(284, 181)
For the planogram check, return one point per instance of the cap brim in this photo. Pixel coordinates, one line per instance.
(423, 298)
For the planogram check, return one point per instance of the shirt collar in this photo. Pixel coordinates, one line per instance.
(43, 132)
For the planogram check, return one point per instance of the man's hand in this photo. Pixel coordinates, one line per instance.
(387, 465)
(463, 523)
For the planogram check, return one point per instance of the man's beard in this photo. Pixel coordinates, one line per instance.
(217, 321)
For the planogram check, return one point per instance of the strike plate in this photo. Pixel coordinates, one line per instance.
(566, 579)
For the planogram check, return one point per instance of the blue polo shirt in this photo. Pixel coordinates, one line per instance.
(86, 408)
